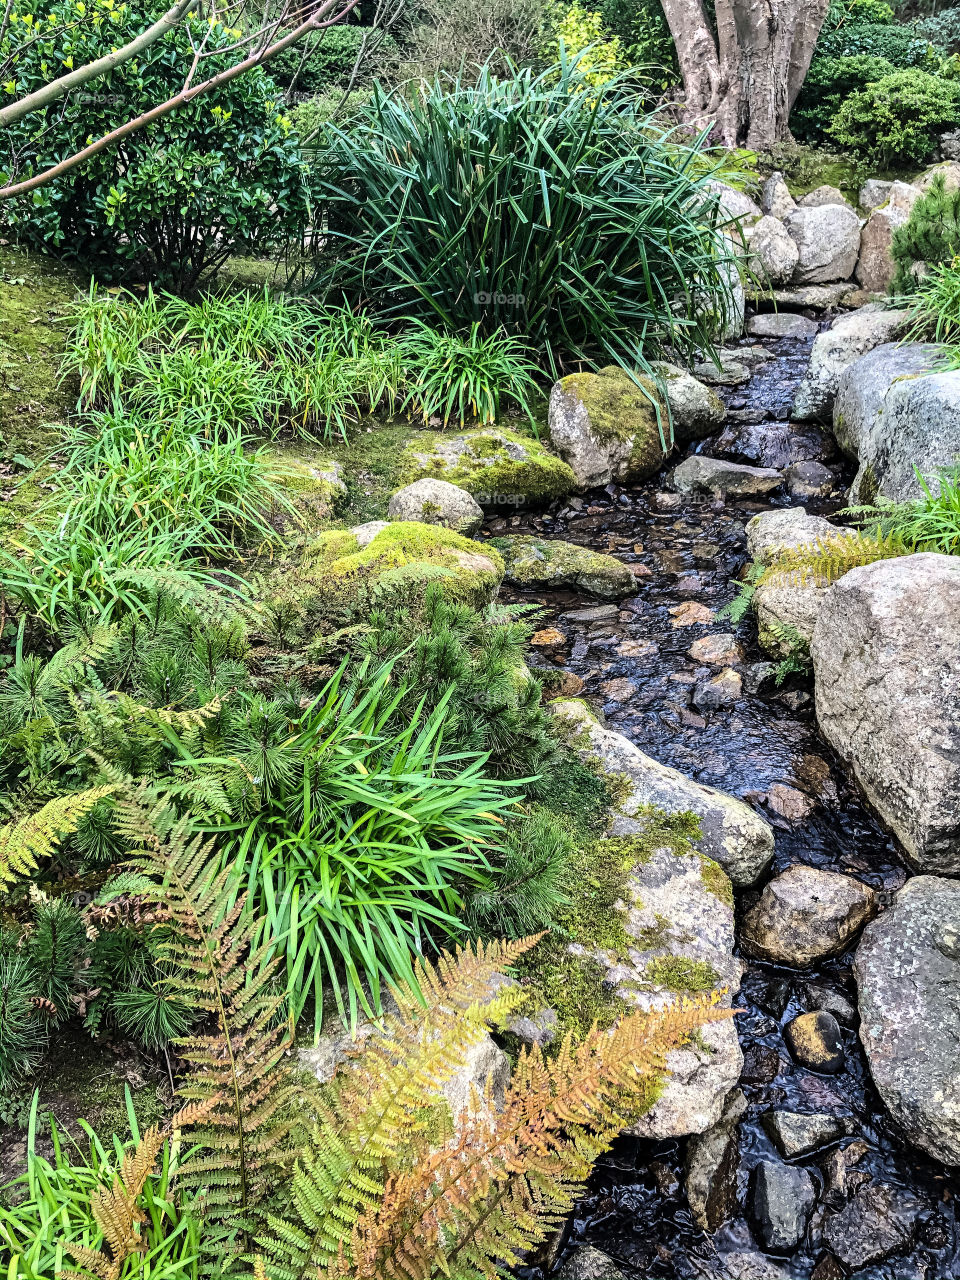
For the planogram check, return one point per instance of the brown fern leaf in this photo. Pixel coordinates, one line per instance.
(508, 1176)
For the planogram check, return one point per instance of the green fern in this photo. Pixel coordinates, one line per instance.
(23, 843)
(824, 561)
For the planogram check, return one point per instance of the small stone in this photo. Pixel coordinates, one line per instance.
(713, 1159)
(667, 501)
(586, 1263)
(564, 684)
(539, 1028)
(796, 1134)
(761, 1064)
(819, 996)
(365, 533)
(776, 200)
(781, 324)
(723, 690)
(549, 638)
(619, 690)
(782, 1202)
(821, 196)
(790, 803)
(690, 614)
(878, 1221)
(637, 648)
(691, 720)
(437, 502)
(757, 675)
(809, 479)
(827, 1268)
(732, 372)
(593, 613)
(640, 570)
(720, 650)
(816, 1043)
(806, 915)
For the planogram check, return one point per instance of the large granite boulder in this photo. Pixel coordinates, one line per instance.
(828, 242)
(895, 416)
(437, 502)
(502, 470)
(949, 170)
(776, 199)
(806, 915)
(732, 834)
(696, 409)
(886, 658)
(823, 195)
(773, 251)
(606, 427)
(875, 266)
(700, 474)
(907, 969)
(835, 349)
(551, 563)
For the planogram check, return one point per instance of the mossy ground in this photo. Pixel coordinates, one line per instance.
(36, 294)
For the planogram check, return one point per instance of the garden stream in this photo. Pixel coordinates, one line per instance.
(634, 662)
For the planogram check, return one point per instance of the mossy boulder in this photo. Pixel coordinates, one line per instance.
(338, 581)
(433, 501)
(500, 468)
(545, 562)
(607, 427)
(313, 484)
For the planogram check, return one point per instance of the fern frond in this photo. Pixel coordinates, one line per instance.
(23, 843)
(824, 561)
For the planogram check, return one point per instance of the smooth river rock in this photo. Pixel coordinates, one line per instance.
(907, 969)
(886, 660)
(806, 915)
(699, 473)
(696, 409)
(732, 833)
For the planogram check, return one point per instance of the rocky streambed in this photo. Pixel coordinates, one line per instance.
(805, 1174)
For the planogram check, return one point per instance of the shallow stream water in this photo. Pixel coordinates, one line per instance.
(636, 666)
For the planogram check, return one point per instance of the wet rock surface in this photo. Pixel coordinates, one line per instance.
(763, 749)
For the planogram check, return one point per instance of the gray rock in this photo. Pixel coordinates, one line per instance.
(587, 1263)
(607, 428)
(735, 205)
(797, 1135)
(722, 690)
(886, 657)
(365, 533)
(536, 1028)
(819, 996)
(776, 199)
(730, 324)
(875, 266)
(437, 502)
(786, 615)
(874, 193)
(699, 473)
(697, 411)
(782, 1201)
(815, 1041)
(949, 171)
(786, 529)
(878, 1221)
(731, 373)
(746, 1266)
(806, 915)
(828, 242)
(551, 563)
(821, 196)
(773, 252)
(780, 324)
(713, 1159)
(834, 350)
(950, 145)
(820, 297)
(592, 613)
(809, 480)
(907, 969)
(732, 833)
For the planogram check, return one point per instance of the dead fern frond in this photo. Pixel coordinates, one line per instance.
(238, 1071)
(23, 843)
(824, 561)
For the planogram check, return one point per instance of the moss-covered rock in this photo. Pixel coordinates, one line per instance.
(313, 484)
(547, 562)
(609, 428)
(337, 580)
(500, 468)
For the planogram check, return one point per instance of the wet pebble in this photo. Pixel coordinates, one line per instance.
(691, 614)
(720, 650)
(816, 1043)
(782, 1200)
(878, 1221)
(722, 690)
(797, 1135)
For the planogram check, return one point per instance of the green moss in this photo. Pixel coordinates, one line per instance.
(309, 480)
(682, 975)
(499, 467)
(716, 880)
(36, 294)
(620, 411)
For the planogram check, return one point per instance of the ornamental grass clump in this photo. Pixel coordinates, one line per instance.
(542, 206)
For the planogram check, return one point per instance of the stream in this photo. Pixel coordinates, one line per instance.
(634, 663)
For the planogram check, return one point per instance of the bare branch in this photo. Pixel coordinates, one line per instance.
(314, 23)
(48, 93)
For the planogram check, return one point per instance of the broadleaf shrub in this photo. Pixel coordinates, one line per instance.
(902, 46)
(219, 175)
(345, 55)
(898, 117)
(829, 83)
(539, 204)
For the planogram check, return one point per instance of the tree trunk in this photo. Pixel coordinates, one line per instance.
(745, 78)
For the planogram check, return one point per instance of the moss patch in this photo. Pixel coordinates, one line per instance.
(619, 411)
(682, 975)
(549, 562)
(716, 880)
(310, 480)
(501, 468)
